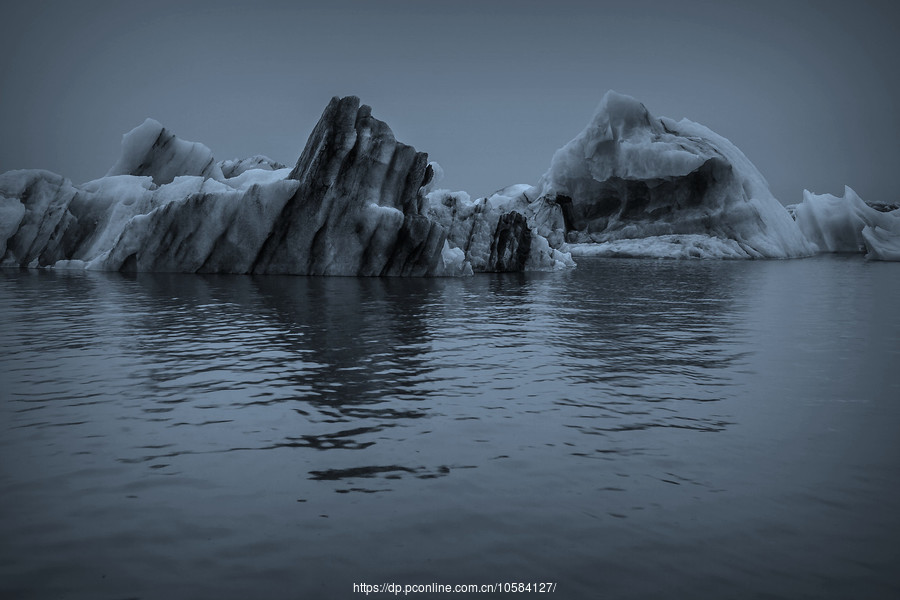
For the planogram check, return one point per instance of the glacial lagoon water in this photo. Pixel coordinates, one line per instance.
(626, 429)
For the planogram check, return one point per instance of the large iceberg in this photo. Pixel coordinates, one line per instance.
(631, 184)
(354, 204)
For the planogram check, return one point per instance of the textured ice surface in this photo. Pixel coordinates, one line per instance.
(354, 204)
(151, 149)
(663, 246)
(848, 225)
(358, 202)
(495, 237)
(631, 176)
(882, 244)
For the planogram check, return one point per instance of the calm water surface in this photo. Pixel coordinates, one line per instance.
(627, 429)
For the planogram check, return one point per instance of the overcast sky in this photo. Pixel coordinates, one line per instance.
(808, 90)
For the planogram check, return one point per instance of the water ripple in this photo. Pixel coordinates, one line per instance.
(168, 400)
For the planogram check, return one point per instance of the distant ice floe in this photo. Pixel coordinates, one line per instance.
(360, 203)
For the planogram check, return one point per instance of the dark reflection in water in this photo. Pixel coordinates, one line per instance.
(629, 428)
(335, 352)
(651, 339)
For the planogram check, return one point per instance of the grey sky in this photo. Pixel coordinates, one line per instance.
(808, 90)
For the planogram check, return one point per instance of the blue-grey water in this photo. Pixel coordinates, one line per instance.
(626, 429)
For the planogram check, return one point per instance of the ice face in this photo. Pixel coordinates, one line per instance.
(882, 244)
(354, 204)
(848, 224)
(495, 233)
(36, 203)
(631, 176)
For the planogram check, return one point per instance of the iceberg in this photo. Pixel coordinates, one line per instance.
(359, 203)
(356, 203)
(631, 184)
(848, 224)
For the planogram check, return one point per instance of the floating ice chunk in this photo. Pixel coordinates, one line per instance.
(848, 224)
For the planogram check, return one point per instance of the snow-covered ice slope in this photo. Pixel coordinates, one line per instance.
(644, 186)
(354, 204)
